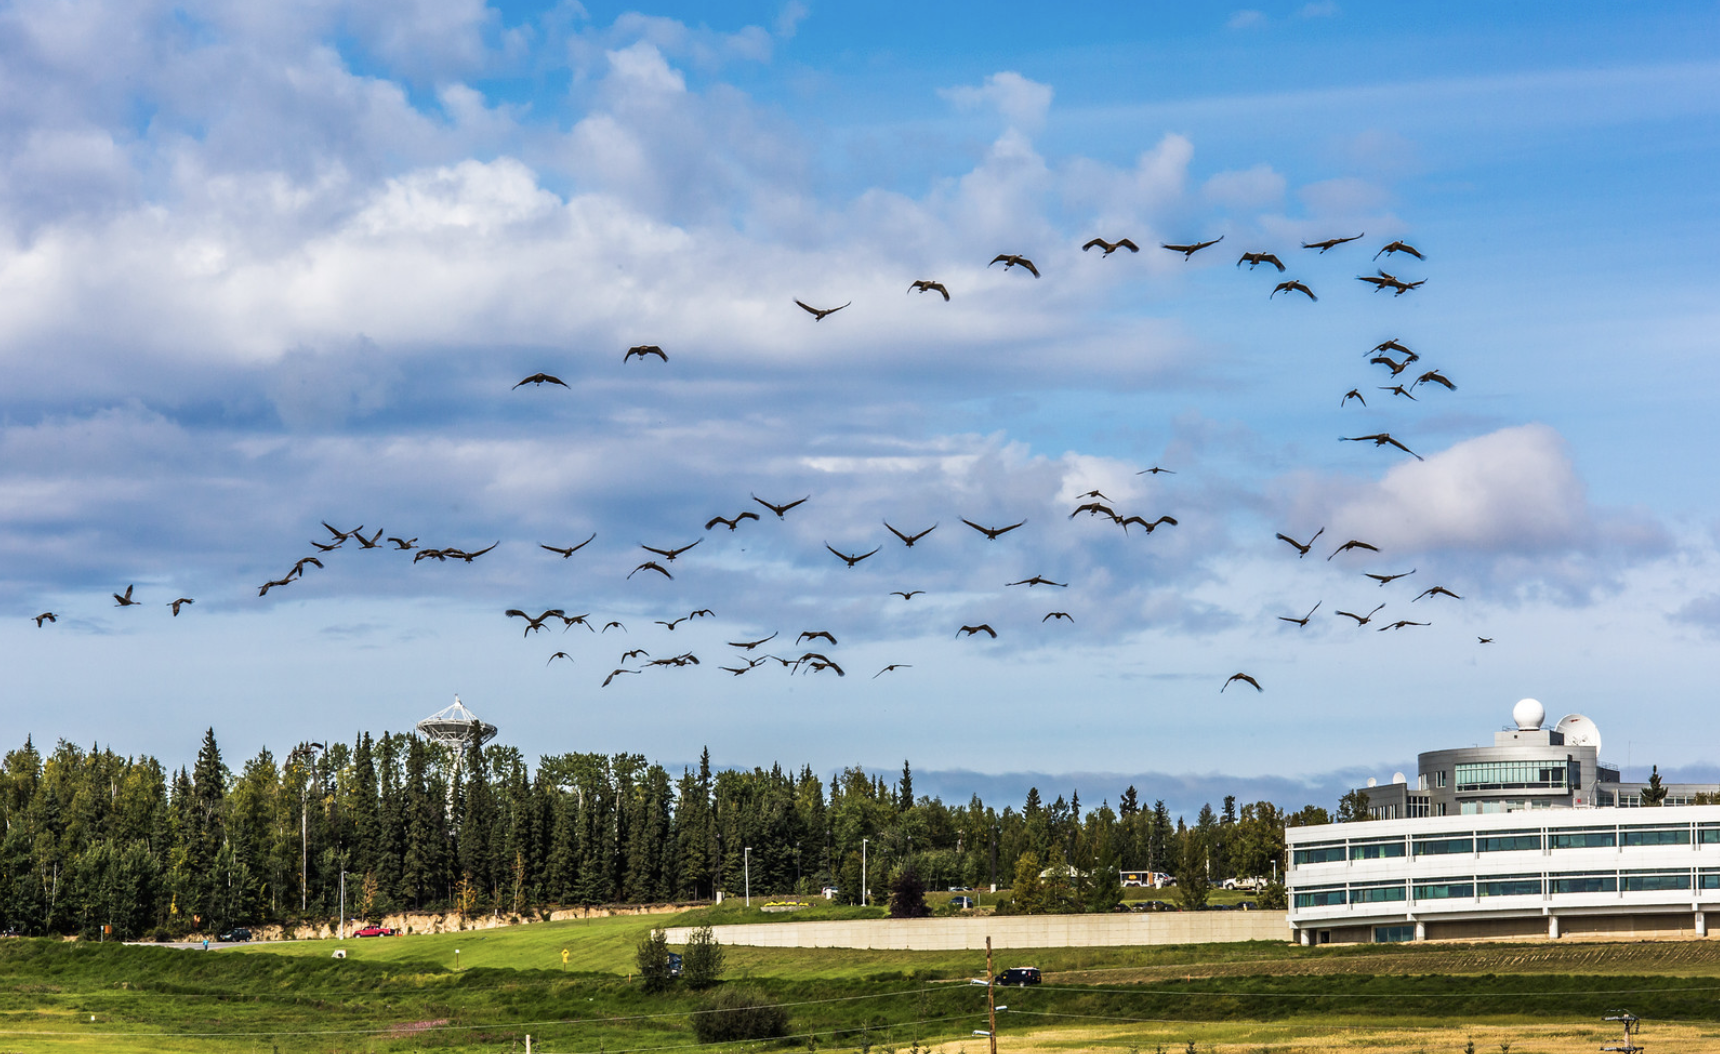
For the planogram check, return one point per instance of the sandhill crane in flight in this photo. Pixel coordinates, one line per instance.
(1298, 546)
(669, 554)
(1435, 377)
(1036, 580)
(926, 285)
(750, 645)
(1382, 439)
(125, 599)
(1329, 243)
(567, 551)
(1346, 547)
(1397, 389)
(893, 666)
(1355, 394)
(1111, 247)
(1384, 579)
(1393, 345)
(907, 594)
(1303, 621)
(1244, 678)
(541, 379)
(981, 628)
(992, 532)
(1057, 615)
(811, 634)
(1361, 620)
(1291, 286)
(651, 565)
(851, 560)
(778, 509)
(1438, 591)
(614, 674)
(909, 539)
(1014, 260)
(1155, 470)
(174, 604)
(730, 524)
(642, 350)
(1401, 623)
(1400, 247)
(1389, 363)
(1254, 260)
(818, 313)
(1192, 248)
(46, 616)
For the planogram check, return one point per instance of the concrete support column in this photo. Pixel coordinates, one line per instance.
(1305, 937)
(1420, 930)
(1552, 927)
(1702, 924)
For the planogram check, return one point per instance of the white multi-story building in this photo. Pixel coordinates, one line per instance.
(1523, 848)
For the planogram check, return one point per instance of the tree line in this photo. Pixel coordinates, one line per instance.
(98, 843)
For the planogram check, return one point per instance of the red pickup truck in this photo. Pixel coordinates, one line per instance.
(373, 931)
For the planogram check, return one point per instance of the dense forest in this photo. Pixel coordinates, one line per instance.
(94, 839)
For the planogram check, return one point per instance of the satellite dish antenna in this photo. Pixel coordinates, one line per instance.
(1373, 782)
(1398, 777)
(1579, 731)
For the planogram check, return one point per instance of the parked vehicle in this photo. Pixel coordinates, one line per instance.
(1019, 975)
(961, 902)
(235, 935)
(373, 931)
(674, 964)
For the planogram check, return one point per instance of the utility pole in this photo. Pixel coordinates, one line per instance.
(865, 894)
(994, 858)
(343, 903)
(746, 872)
(1631, 1026)
(990, 996)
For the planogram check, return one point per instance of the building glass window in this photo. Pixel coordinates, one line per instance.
(1708, 834)
(1708, 879)
(1376, 850)
(1501, 775)
(1509, 842)
(1578, 838)
(1648, 881)
(1445, 846)
(1443, 890)
(1393, 934)
(1511, 886)
(1654, 835)
(1376, 894)
(1320, 897)
(1330, 852)
(1605, 882)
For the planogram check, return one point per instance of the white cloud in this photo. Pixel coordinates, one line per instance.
(1252, 188)
(1319, 9)
(789, 18)
(1022, 102)
(1248, 18)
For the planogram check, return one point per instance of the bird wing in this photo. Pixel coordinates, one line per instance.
(1100, 242)
(1025, 262)
(810, 309)
(1124, 243)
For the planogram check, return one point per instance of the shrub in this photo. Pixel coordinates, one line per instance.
(702, 959)
(653, 959)
(736, 1014)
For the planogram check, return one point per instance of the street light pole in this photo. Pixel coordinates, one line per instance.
(746, 871)
(865, 894)
(343, 903)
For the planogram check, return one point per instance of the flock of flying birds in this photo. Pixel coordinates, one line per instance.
(1392, 355)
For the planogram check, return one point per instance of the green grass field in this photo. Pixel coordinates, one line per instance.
(407, 993)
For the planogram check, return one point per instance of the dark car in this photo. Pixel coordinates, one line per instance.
(674, 964)
(961, 903)
(373, 931)
(1019, 975)
(235, 935)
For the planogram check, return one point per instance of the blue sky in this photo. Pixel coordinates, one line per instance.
(265, 268)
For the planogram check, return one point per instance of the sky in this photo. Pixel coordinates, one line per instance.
(265, 269)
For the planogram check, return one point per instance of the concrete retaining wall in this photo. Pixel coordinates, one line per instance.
(1027, 931)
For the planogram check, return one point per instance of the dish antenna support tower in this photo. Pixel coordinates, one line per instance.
(458, 729)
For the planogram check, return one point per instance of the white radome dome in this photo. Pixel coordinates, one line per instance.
(1528, 713)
